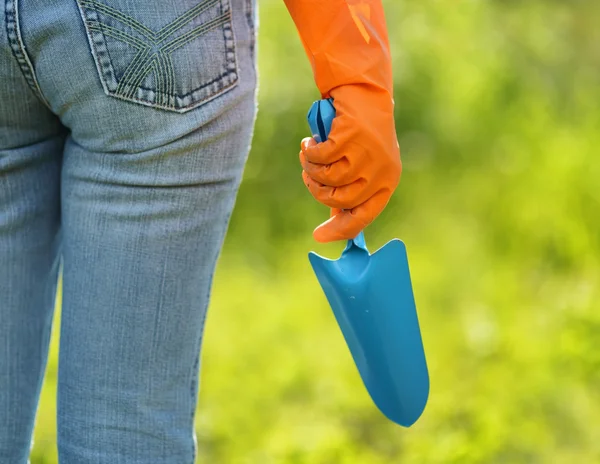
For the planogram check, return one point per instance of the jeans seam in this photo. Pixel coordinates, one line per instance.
(250, 18)
(194, 392)
(195, 379)
(230, 54)
(15, 39)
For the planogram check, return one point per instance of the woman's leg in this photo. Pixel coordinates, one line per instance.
(160, 100)
(31, 145)
(142, 232)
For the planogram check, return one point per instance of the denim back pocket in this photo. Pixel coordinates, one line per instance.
(170, 55)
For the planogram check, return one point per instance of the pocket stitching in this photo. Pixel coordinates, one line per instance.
(96, 32)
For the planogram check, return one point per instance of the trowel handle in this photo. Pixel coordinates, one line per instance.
(320, 117)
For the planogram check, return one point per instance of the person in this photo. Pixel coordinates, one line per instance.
(124, 131)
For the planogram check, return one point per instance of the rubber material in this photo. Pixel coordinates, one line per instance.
(358, 168)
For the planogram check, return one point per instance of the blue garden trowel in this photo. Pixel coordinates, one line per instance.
(372, 299)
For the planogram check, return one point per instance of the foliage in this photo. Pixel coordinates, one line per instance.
(499, 205)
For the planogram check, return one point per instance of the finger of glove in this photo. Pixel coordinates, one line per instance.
(346, 225)
(345, 197)
(333, 175)
(326, 152)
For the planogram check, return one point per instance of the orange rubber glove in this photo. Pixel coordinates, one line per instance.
(358, 168)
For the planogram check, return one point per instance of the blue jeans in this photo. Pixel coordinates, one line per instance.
(124, 130)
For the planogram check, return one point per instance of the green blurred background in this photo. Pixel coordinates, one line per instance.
(499, 124)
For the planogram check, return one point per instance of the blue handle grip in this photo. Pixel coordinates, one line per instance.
(320, 118)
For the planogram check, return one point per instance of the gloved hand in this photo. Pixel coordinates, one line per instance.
(358, 168)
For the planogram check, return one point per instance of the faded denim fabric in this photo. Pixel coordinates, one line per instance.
(124, 129)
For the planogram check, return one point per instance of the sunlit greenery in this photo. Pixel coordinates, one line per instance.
(498, 115)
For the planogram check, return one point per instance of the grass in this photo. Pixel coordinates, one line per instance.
(497, 113)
